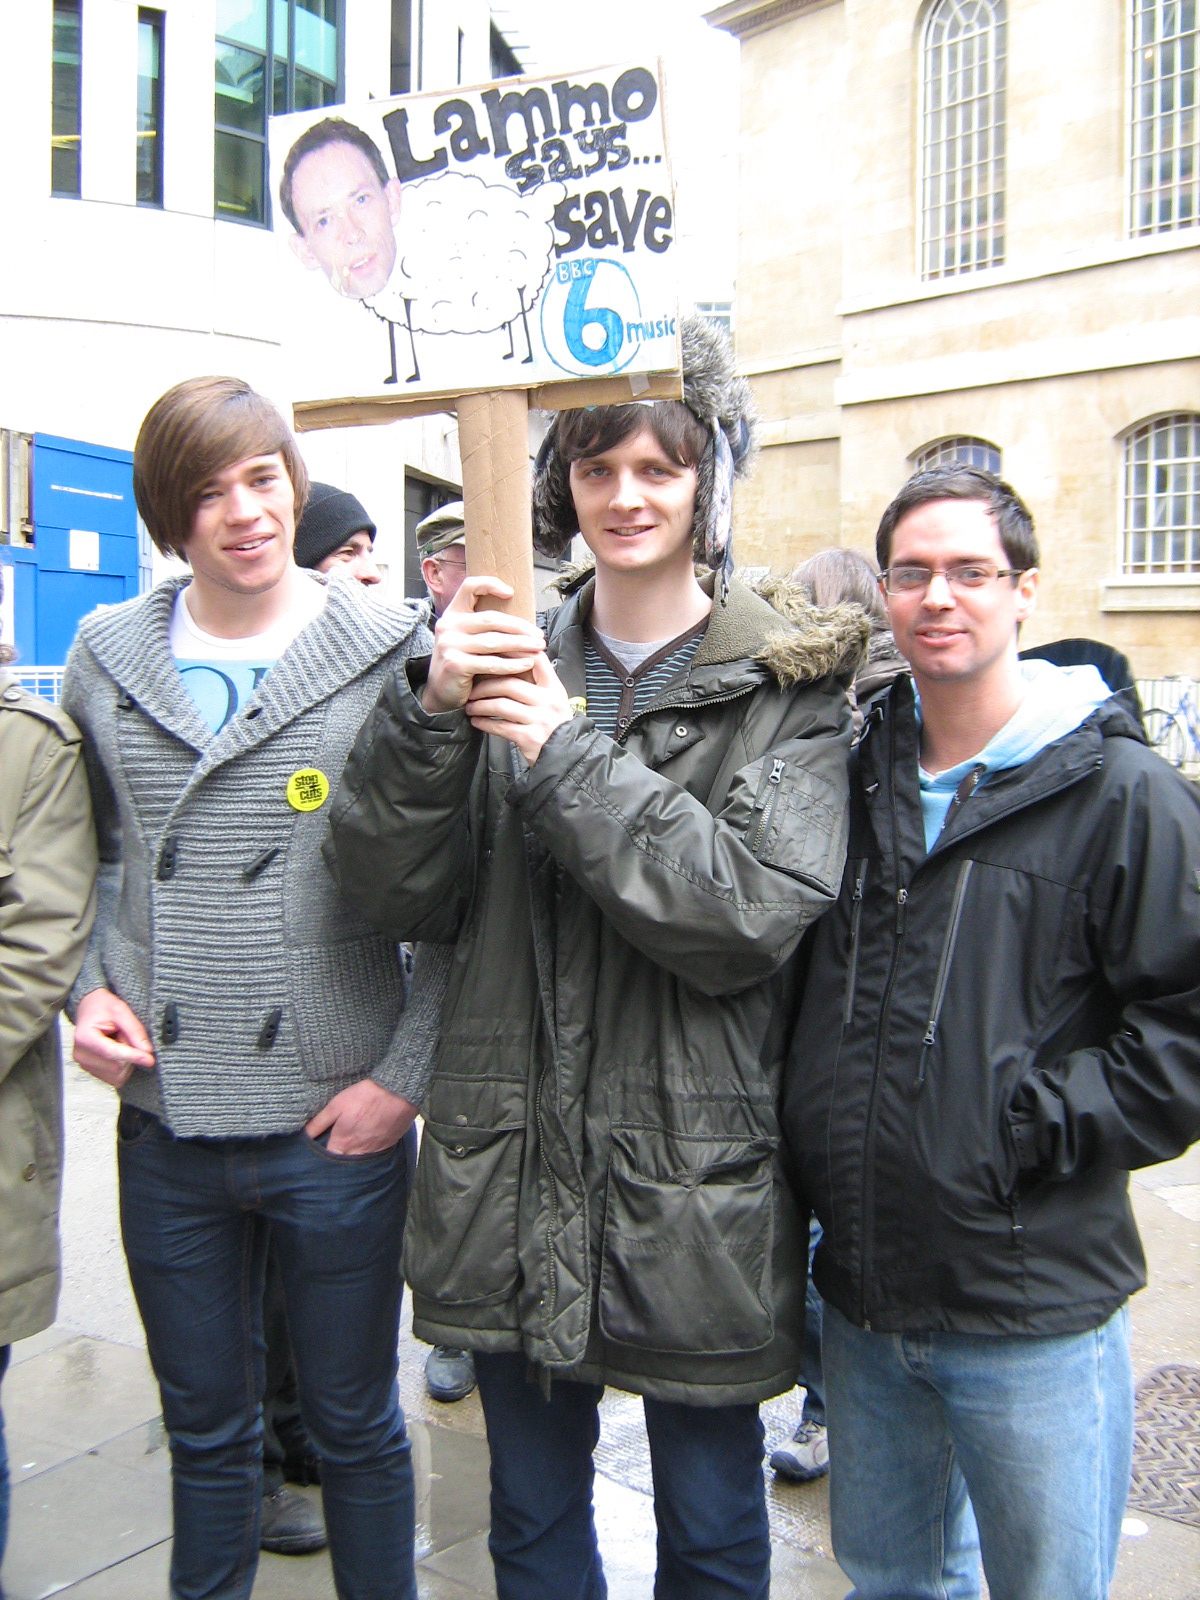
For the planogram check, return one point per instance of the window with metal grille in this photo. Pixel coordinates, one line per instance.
(1164, 130)
(272, 56)
(962, 137)
(1161, 500)
(973, 452)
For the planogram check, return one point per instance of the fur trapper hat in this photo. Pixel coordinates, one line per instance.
(720, 400)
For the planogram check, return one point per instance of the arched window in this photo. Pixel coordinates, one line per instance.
(962, 137)
(1161, 502)
(974, 452)
(1164, 128)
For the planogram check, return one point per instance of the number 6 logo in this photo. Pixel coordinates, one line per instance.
(584, 311)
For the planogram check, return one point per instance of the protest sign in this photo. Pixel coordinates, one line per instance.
(517, 235)
(512, 242)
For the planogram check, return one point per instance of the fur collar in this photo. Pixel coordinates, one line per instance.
(772, 622)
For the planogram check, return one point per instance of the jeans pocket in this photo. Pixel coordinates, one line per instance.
(136, 1127)
(320, 1147)
(686, 1257)
(460, 1241)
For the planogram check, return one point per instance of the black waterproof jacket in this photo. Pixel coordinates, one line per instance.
(994, 1033)
(600, 1184)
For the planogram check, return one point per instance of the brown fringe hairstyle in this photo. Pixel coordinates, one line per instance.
(191, 433)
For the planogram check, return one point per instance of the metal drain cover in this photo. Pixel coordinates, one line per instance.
(1166, 1448)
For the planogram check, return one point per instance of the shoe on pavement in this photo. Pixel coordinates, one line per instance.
(291, 1526)
(449, 1373)
(806, 1457)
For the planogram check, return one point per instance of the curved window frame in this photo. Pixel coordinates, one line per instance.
(1164, 117)
(965, 447)
(1160, 497)
(963, 105)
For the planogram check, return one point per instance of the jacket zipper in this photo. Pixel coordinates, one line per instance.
(764, 803)
(868, 1183)
(943, 971)
(684, 705)
(860, 870)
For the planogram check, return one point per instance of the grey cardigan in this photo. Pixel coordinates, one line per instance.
(218, 923)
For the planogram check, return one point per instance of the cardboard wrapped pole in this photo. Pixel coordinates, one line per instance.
(493, 438)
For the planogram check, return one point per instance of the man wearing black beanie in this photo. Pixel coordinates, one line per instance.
(336, 534)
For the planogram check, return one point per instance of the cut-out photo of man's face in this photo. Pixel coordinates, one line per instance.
(344, 208)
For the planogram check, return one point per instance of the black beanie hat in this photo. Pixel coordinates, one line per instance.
(331, 516)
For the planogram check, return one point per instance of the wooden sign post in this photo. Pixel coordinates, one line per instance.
(493, 441)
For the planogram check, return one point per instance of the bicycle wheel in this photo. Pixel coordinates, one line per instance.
(1167, 733)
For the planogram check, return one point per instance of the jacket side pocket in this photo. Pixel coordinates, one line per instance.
(686, 1260)
(460, 1239)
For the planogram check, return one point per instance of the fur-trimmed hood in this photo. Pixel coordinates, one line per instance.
(821, 640)
(771, 621)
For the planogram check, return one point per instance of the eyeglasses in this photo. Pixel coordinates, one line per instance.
(962, 575)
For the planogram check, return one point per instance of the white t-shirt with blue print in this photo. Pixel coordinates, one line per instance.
(222, 674)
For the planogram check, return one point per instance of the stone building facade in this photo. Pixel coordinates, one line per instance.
(979, 221)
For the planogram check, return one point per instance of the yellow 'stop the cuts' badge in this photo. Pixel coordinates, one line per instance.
(308, 789)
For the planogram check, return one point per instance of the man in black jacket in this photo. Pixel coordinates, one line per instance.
(1001, 1018)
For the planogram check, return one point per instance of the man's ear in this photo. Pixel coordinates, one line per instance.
(299, 247)
(1027, 585)
(392, 189)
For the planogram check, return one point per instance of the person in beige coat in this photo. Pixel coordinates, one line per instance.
(47, 872)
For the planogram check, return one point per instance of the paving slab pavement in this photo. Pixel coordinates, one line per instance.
(91, 1495)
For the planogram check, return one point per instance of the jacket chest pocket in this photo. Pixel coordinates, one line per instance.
(686, 1258)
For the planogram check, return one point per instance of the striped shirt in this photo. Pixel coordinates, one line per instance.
(616, 693)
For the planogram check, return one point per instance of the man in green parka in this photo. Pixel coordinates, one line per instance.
(623, 828)
(47, 872)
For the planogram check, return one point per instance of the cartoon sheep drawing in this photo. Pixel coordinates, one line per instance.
(474, 257)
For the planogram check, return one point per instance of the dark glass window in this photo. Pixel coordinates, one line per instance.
(150, 108)
(300, 41)
(64, 124)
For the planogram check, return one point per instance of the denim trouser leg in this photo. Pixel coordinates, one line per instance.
(4, 1489)
(811, 1371)
(543, 1538)
(338, 1236)
(1042, 1429)
(709, 1500)
(714, 1542)
(194, 1216)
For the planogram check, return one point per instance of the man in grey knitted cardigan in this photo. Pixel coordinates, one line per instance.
(249, 1019)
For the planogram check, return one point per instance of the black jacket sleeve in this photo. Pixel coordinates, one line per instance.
(1135, 1100)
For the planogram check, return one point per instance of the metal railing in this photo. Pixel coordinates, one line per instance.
(46, 681)
(1171, 712)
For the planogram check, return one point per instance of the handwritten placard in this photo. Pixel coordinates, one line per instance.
(516, 235)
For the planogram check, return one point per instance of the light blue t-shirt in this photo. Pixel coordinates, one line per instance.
(222, 674)
(1057, 700)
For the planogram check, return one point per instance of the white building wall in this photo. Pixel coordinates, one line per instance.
(105, 304)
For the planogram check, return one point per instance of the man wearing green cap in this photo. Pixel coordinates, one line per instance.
(442, 546)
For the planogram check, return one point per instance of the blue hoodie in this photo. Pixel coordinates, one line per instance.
(1057, 700)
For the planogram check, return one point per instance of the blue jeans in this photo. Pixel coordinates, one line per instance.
(946, 1445)
(812, 1374)
(195, 1215)
(713, 1541)
(4, 1350)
